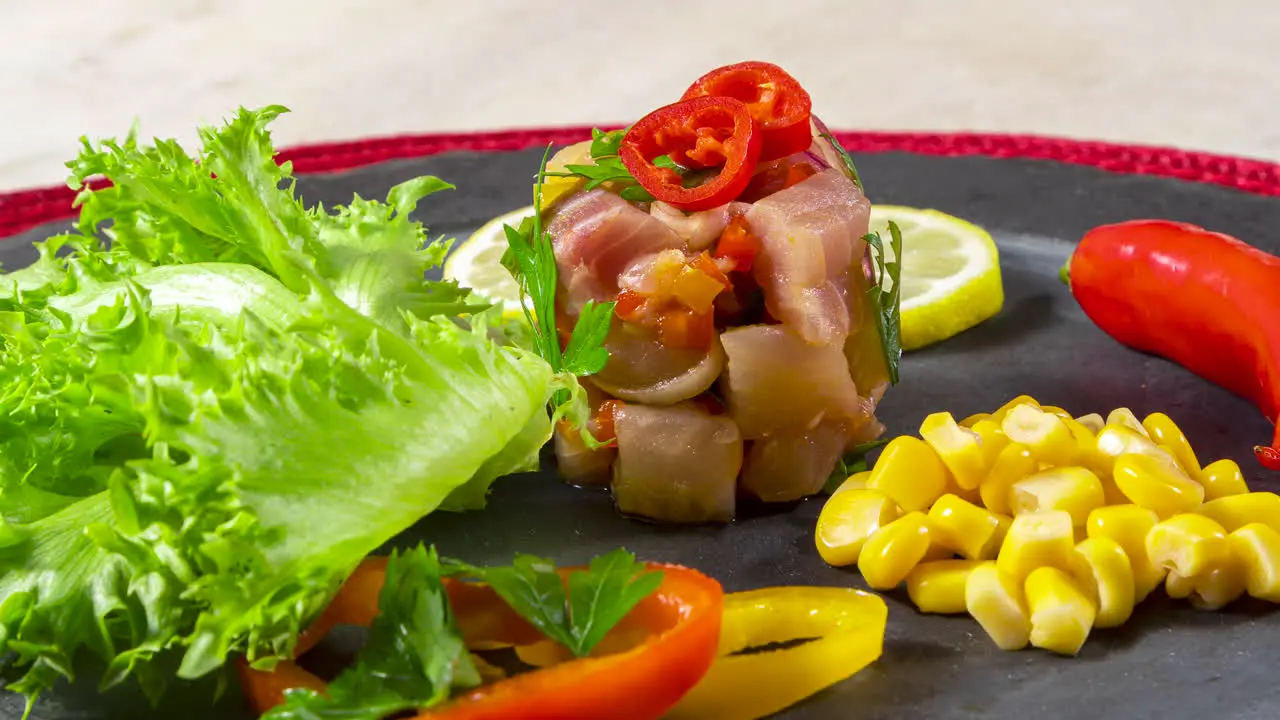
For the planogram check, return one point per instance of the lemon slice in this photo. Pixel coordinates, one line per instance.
(950, 270)
(950, 273)
(477, 262)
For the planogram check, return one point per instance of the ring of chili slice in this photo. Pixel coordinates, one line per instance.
(702, 133)
(774, 98)
(663, 647)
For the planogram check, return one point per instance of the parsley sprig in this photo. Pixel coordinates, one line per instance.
(531, 261)
(414, 658)
(608, 167)
(888, 298)
(597, 597)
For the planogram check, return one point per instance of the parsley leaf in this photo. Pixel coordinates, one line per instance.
(532, 263)
(414, 658)
(608, 167)
(852, 462)
(596, 600)
(599, 598)
(888, 297)
(846, 158)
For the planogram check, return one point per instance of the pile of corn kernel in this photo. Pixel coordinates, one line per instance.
(1060, 524)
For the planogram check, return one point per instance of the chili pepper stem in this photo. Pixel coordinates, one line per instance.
(1269, 456)
(1064, 273)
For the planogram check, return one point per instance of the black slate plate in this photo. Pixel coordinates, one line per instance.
(1168, 662)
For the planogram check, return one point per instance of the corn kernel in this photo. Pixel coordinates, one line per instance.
(1166, 433)
(1178, 587)
(1124, 417)
(847, 519)
(1055, 410)
(993, 440)
(1035, 540)
(969, 421)
(998, 603)
(1116, 440)
(1233, 512)
(894, 550)
(1061, 614)
(1128, 526)
(937, 552)
(999, 414)
(1156, 484)
(938, 587)
(1189, 544)
(1093, 421)
(910, 472)
(1046, 435)
(1212, 590)
(1014, 463)
(1256, 548)
(856, 481)
(971, 495)
(1222, 478)
(1002, 532)
(963, 527)
(960, 448)
(1110, 578)
(1073, 489)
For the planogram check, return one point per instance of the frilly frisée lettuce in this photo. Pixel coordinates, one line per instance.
(214, 408)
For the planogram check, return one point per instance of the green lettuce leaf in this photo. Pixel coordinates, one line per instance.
(214, 402)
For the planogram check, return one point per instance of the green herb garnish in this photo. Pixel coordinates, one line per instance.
(845, 158)
(597, 598)
(414, 658)
(888, 297)
(852, 462)
(608, 167)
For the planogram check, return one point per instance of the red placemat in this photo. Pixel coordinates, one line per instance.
(28, 208)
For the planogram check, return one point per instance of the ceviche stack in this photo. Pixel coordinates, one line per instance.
(753, 332)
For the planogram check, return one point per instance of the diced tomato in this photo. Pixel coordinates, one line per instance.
(704, 263)
(682, 328)
(602, 422)
(774, 98)
(630, 306)
(797, 173)
(738, 244)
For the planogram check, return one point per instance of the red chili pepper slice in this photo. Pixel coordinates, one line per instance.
(706, 132)
(775, 99)
(663, 648)
(1205, 300)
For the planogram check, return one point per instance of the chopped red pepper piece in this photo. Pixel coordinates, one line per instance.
(738, 244)
(630, 306)
(677, 630)
(775, 99)
(706, 132)
(683, 328)
(602, 422)
(704, 263)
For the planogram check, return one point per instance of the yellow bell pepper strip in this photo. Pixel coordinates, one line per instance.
(848, 626)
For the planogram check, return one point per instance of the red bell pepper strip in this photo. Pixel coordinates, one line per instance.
(736, 243)
(706, 132)
(1205, 300)
(774, 98)
(664, 647)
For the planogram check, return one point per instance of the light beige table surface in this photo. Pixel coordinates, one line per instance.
(1196, 74)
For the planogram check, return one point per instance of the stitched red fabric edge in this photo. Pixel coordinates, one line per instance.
(27, 208)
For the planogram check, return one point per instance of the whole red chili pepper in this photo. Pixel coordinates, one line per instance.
(1205, 300)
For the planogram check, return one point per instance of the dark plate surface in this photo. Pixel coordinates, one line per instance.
(1168, 662)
